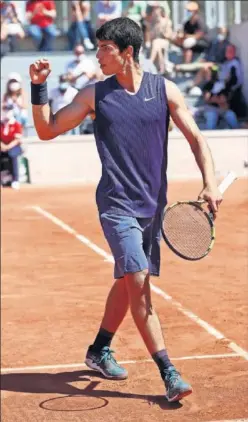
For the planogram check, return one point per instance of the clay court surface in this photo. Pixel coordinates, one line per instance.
(56, 273)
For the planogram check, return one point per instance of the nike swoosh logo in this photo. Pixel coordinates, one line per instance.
(149, 99)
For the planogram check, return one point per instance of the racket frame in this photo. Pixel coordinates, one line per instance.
(223, 186)
(209, 217)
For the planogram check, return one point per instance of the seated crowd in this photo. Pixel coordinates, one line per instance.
(213, 63)
(11, 136)
(221, 86)
(216, 70)
(14, 118)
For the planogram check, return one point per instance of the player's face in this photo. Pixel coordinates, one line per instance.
(110, 59)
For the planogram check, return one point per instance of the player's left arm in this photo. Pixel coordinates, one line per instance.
(183, 119)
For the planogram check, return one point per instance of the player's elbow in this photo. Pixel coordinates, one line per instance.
(45, 136)
(47, 133)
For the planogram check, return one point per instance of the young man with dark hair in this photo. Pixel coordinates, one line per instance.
(132, 110)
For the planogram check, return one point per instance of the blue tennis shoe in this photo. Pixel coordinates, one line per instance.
(175, 386)
(105, 363)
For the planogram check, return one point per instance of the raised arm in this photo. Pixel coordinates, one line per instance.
(49, 125)
(185, 122)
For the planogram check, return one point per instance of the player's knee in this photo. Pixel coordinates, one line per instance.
(136, 281)
(139, 292)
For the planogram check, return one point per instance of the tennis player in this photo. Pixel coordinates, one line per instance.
(132, 109)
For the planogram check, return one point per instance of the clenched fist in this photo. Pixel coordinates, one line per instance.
(39, 71)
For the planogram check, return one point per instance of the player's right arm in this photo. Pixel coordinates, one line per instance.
(49, 125)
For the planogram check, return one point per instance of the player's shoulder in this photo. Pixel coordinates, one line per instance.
(155, 76)
(87, 93)
(173, 93)
(164, 81)
(170, 85)
(105, 83)
(152, 75)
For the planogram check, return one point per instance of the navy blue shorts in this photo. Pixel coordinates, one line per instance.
(134, 242)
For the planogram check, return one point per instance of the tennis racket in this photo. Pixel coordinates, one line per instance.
(188, 229)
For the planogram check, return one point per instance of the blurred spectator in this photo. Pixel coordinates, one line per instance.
(62, 95)
(41, 15)
(159, 30)
(107, 10)
(135, 10)
(20, 6)
(146, 64)
(81, 28)
(11, 134)
(4, 37)
(217, 106)
(229, 81)
(80, 70)
(216, 52)
(97, 77)
(223, 93)
(215, 55)
(11, 27)
(193, 38)
(16, 97)
(150, 5)
(231, 74)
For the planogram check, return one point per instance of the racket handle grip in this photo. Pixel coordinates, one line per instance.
(229, 179)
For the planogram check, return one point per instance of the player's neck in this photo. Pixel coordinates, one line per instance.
(130, 78)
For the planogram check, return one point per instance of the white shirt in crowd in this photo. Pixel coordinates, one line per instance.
(59, 99)
(113, 8)
(77, 67)
(20, 6)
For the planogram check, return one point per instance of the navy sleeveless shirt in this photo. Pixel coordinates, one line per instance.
(131, 134)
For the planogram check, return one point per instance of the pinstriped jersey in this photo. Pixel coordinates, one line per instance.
(131, 132)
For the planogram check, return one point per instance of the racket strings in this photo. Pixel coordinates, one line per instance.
(188, 230)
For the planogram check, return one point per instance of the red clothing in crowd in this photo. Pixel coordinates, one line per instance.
(9, 131)
(39, 19)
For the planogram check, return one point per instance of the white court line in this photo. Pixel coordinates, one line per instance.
(124, 362)
(209, 328)
(231, 420)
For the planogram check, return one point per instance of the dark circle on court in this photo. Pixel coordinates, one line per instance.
(90, 403)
